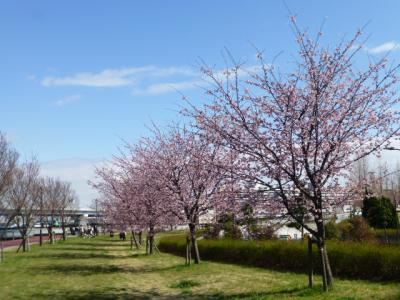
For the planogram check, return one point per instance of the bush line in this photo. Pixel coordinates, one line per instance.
(348, 259)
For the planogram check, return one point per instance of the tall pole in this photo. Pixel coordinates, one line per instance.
(97, 218)
(2, 247)
(41, 221)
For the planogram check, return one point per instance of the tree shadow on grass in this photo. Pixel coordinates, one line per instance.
(84, 255)
(94, 244)
(129, 293)
(67, 249)
(87, 270)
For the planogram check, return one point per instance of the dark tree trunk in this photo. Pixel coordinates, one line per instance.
(194, 247)
(64, 233)
(188, 252)
(24, 243)
(50, 231)
(326, 268)
(140, 238)
(322, 255)
(151, 240)
(1, 250)
(40, 237)
(329, 274)
(135, 241)
(310, 264)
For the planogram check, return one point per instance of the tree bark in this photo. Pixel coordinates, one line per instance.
(132, 241)
(329, 275)
(40, 237)
(322, 255)
(64, 236)
(194, 247)
(23, 243)
(188, 252)
(151, 240)
(1, 250)
(310, 264)
(135, 240)
(140, 238)
(50, 232)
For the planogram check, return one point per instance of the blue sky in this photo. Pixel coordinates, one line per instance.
(77, 76)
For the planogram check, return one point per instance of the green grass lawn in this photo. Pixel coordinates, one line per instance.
(104, 268)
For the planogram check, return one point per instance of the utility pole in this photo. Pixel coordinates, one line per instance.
(97, 218)
(41, 217)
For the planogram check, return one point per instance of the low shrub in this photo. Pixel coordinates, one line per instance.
(262, 232)
(391, 235)
(332, 231)
(356, 229)
(348, 259)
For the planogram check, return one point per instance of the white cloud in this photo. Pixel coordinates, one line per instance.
(389, 46)
(31, 77)
(167, 87)
(67, 100)
(116, 77)
(145, 81)
(77, 171)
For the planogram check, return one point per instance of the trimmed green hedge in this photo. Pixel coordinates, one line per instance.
(348, 259)
(392, 235)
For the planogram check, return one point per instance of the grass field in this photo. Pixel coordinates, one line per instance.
(104, 268)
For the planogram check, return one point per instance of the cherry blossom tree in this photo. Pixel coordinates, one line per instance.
(194, 174)
(24, 199)
(135, 193)
(68, 200)
(301, 131)
(8, 164)
(51, 203)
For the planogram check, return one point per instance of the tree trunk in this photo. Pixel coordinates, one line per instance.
(151, 240)
(140, 238)
(64, 235)
(326, 268)
(132, 241)
(40, 237)
(63, 228)
(135, 240)
(188, 252)
(322, 255)
(329, 275)
(195, 249)
(1, 250)
(50, 232)
(24, 243)
(310, 264)
(147, 244)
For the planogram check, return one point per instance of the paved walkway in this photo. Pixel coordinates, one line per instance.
(32, 240)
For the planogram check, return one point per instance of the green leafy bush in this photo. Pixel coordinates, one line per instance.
(262, 232)
(356, 229)
(348, 259)
(332, 231)
(380, 212)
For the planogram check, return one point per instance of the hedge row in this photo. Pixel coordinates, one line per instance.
(348, 259)
(392, 235)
